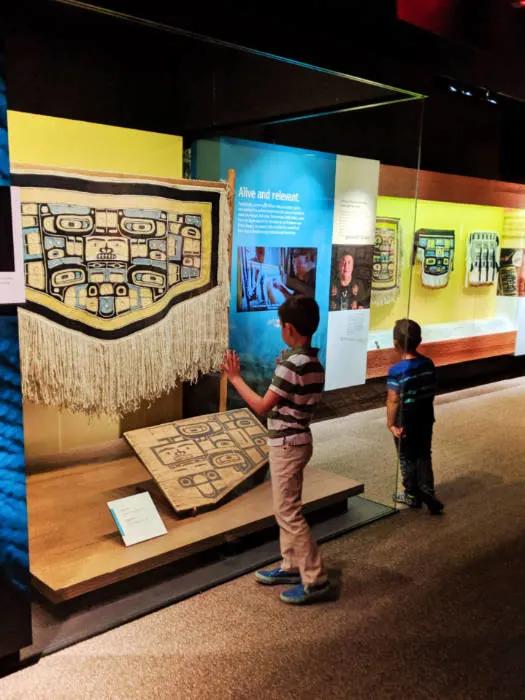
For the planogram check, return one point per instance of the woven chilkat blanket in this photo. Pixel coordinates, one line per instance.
(386, 270)
(198, 461)
(127, 288)
(435, 251)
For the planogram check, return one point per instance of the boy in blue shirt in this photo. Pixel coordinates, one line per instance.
(411, 387)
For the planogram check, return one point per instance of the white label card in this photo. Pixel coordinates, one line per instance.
(12, 284)
(137, 518)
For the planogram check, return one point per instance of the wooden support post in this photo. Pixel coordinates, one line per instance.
(223, 393)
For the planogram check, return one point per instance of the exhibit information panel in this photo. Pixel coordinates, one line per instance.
(356, 184)
(304, 223)
(15, 629)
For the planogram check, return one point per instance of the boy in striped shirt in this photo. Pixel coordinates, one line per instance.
(411, 387)
(295, 390)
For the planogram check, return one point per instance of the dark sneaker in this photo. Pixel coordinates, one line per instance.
(273, 577)
(435, 507)
(302, 595)
(407, 499)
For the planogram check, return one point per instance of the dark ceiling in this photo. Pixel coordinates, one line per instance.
(66, 62)
(363, 38)
(495, 26)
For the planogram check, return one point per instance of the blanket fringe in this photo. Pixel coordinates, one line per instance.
(381, 297)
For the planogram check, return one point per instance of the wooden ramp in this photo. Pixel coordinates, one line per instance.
(74, 543)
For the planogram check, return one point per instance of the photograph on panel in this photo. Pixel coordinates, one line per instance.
(351, 277)
(267, 276)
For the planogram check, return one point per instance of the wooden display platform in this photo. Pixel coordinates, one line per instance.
(74, 543)
(446, 352)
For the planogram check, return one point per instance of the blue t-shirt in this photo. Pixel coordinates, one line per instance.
(414, 381)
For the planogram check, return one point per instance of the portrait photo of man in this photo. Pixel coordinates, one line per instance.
(351, 278)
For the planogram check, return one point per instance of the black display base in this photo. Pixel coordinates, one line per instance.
(9, 664)
(56, 627)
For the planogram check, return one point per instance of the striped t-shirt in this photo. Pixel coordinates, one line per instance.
(414, 380)
(298, 380)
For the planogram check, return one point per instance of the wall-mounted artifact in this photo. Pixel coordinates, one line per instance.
(198, 461)
(127, 287)
(483, 251)
(386, 270)
(435, 250)
(511, 278)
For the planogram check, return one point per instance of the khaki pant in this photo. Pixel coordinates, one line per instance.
(298, 549)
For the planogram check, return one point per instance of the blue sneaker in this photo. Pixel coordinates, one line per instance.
(302, 595)
(407, 499)
(273, 577)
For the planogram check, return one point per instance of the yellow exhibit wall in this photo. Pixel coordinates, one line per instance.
(58, 143)
(452, 303)
(64, 143)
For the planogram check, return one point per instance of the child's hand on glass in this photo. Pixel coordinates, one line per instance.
(231, 365)
(281, 358)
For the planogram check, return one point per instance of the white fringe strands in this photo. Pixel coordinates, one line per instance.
(382, 297)
(71, 370)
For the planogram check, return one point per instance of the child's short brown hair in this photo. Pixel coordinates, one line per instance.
(407, 334)
(302, 312)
